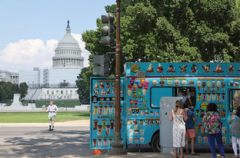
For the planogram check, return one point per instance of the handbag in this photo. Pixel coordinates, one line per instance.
(205, 124)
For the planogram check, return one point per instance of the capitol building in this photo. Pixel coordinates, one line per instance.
(58, 82)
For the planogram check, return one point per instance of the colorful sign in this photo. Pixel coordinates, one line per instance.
(103, 113)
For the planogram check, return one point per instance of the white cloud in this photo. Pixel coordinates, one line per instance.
(26, 54)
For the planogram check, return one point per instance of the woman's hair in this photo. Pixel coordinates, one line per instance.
(178, 104)
(212, 107)
(238, 112)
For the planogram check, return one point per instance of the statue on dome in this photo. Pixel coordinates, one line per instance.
(68, 24)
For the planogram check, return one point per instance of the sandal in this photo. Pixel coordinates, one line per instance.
(195, 154)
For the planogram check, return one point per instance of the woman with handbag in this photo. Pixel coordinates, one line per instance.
(212, 120)
(178, 116)
(235, 131)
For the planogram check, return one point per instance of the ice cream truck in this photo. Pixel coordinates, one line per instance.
(141, 95)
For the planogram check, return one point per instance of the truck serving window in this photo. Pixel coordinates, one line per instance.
(190, 91)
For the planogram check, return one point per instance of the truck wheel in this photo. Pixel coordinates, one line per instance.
(155, 144)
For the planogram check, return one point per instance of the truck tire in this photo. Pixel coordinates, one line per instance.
(155, 144)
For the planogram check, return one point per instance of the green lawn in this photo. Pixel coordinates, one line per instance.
(39, 104)
(41, 117)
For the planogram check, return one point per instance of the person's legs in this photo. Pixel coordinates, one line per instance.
(186, 142)
(181, 152)
(234, 145)
(211, 141)
(52, 122)
(192, 135)
(175, 152)
(53, 118)
(192, 146)
(220, 143)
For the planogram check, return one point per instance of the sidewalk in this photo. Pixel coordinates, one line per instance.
(77, 123)
(156, 155)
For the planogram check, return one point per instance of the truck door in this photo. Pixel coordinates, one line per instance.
(233, 103)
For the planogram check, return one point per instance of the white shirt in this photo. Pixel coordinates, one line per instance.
(52, 108)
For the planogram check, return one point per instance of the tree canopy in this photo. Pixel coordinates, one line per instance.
(83, 88)
(23, 89)
(172, 31)
(7, 89)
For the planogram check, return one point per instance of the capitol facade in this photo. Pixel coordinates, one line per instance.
(58, 82)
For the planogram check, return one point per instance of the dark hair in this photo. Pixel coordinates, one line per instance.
(212, 107)
(238, 112)
(185, 105)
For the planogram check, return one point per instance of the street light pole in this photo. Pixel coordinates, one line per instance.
(117, 146)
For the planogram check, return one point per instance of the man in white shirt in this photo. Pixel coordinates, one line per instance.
(52, 109)
(185, 96)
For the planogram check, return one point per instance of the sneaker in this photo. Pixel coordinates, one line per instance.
(172, 152)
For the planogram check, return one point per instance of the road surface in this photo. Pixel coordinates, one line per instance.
(64, 141)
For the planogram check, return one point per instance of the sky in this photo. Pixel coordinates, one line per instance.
(30, 29)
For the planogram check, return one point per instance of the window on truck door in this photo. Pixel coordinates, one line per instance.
(234, 99)
(156, 93)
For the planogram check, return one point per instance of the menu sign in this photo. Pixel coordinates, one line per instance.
(103, 114)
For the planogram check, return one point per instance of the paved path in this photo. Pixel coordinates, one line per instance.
(155, 155)
(77, 123)
(69, 139)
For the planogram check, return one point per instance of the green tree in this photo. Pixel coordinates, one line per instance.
(173, 31)
(23, 89)
(83, 86)
(3, 95)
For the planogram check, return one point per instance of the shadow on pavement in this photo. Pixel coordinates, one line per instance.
(63, 142)
(54, 144)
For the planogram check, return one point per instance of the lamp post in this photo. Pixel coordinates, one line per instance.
(117, 146)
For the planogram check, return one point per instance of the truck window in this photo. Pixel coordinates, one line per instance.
(190, 90)
(157, 92)
(234, 99)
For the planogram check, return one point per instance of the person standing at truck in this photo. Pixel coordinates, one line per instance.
(212, 119)
(235, 131)
(186, 97)
(190, 132)
(178, 116)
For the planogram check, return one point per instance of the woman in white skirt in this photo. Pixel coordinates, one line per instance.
(178, 116)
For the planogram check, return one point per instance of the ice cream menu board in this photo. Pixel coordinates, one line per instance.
(103, 113)
(211, 90)
(141, 119)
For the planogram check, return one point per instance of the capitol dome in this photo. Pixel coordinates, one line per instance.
(68, 54)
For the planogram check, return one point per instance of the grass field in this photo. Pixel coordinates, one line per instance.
(41, 117)
(39, 104)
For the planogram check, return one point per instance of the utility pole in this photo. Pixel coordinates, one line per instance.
(117, 146)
